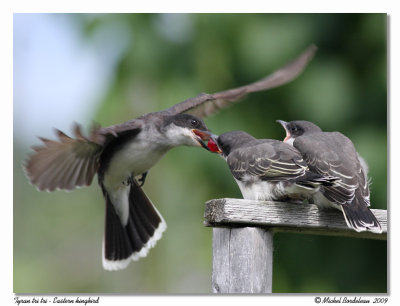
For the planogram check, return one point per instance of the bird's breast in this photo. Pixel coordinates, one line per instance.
(257, 190)
(135, 158)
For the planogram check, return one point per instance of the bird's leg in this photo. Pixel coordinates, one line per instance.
(128, 181)
(143, 178)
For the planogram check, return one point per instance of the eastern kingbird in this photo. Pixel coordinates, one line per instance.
(117, 154)
(267, 169)
(120, 153)
(332, 153)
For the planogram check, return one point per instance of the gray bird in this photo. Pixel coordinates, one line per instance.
(117, 154)
(121, 152)
(332, 153)
(267, 169)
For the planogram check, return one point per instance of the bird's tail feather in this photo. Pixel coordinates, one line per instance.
(130, 242)
(359, 217)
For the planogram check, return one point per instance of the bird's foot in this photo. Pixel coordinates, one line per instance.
(142, 178)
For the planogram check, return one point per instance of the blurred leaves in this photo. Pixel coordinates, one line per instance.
(167, 58)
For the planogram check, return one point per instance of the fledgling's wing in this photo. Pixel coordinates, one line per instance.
(205, 105)
(267, 161)
(68, 162)
(322, 156)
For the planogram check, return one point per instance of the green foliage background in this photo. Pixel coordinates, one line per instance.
(58, 236)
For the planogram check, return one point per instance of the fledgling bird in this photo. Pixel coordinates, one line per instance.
(267, 169)
(332, 153)
(121, 152)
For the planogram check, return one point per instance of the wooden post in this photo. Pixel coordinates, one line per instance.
(243, 232)
(242, 260)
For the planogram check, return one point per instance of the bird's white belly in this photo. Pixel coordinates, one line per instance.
(135, 159)
(266, 191)
(261, 191)
(323, 203)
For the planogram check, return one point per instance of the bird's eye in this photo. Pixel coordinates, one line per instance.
(293, 128)
(194, 122)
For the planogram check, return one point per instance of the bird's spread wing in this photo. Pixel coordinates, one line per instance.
(263, 161)
(205, 105)
(322, 156)
(68, 162)
(63, 164)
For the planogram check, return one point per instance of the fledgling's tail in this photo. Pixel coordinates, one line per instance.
(359, 217)
(144, 227)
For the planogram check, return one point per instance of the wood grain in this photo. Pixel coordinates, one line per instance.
(242, 260)
(285, 217)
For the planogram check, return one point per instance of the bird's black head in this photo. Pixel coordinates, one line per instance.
(185, 129)
(229, 141)
(188, 121)
(297, 128)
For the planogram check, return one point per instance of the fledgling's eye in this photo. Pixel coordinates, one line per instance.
(293, 128)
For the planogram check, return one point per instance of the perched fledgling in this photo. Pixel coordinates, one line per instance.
(332, 153)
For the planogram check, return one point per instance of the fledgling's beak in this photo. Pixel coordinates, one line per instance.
(202, 136)
(212, 144)
(284, 124)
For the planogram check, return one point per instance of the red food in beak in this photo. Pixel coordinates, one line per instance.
(213, 146)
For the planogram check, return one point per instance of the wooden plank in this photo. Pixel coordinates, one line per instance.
(242, 260)
(285, 217)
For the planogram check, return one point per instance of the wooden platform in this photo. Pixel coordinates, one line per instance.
(243, 238)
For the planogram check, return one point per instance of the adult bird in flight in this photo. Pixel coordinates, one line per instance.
(120, 153)
(332, 153)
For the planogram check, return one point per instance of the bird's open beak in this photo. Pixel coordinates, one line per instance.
(212, 144)
(202, 136)
(284, 124)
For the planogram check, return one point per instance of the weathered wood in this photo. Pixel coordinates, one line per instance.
(242, 260)
(287, 217)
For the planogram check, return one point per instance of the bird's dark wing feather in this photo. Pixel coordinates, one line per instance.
(103, 134)
(334, 154)
(68, 162)
(205, 105)
(266, 161)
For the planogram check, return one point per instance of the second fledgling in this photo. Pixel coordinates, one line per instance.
(332, 153)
